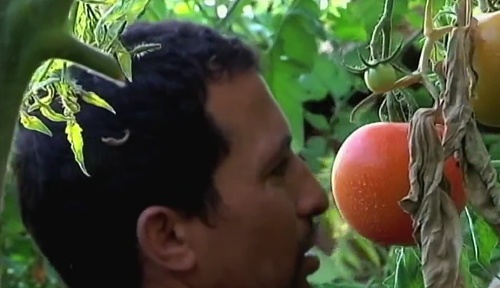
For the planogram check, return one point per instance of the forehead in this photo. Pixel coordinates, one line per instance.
(242, 106)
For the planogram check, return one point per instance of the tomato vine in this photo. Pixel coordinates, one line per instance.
(446, 70)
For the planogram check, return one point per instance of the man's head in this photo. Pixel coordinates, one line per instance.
(205, 192)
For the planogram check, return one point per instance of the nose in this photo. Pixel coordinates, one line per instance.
(312, 198)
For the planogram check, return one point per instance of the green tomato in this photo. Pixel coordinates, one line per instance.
(380, 78)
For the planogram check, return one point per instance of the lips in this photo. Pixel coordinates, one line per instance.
(310, 261)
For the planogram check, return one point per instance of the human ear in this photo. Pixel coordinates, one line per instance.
(162, 237)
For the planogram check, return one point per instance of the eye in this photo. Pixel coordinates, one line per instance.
(281, 169)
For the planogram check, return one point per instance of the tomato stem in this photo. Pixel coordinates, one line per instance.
(432, 35)
(383, 27)
(387, 28)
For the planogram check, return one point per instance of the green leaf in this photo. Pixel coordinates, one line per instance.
(471, 280)
(288, 59)
(125, 8)
(52, 115)
(407, 273)
(34, 123)
(486, 240)
(234, 11)
(327, 76)
(325, 272)
(156, 10)
(124, 59)
(318, 121)
(317, 146)
(75, 138)
(315, 89)
(94, 99)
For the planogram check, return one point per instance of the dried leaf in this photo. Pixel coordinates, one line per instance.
(436, 220)
(462, 136)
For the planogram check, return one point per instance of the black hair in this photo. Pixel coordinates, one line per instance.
(86, 226)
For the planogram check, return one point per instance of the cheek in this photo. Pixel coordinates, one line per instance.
(259, 234)
(277, 238)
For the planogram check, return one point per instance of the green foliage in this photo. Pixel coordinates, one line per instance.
(303, 44)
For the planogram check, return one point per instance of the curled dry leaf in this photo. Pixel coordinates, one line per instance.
(436, 221)
(462, 136)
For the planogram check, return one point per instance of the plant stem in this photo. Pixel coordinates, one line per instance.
(387, 28)
(495, 163)
(14, 79)
(32, 32)
(384, 27)
(82, 54)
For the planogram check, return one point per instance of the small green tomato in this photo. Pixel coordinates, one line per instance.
(380, 78)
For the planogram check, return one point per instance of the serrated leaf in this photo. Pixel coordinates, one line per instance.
(52, 115)
(34, 123)
(94, 99)
(75, 139)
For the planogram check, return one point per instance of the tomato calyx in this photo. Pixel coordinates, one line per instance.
(373, 63)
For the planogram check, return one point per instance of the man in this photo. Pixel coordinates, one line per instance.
(197, 187)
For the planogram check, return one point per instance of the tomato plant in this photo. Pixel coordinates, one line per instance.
(486, 63)
(370, 176)
(380, 78)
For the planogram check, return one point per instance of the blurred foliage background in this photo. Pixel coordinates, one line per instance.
(304, 44)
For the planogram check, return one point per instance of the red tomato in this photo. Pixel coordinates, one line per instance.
(370, 177)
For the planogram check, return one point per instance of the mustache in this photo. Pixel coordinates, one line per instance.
(304, 245)
(309, 240)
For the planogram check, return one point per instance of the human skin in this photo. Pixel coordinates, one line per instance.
(263, 225)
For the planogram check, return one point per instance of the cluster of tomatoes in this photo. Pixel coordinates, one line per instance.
(370, 174)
